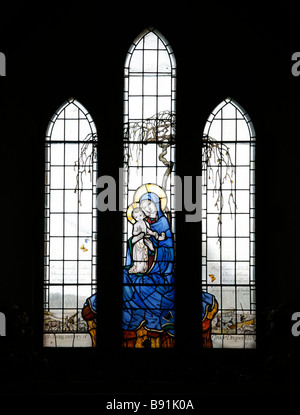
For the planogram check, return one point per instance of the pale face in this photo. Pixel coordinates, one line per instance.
(138, 216)
(149, 208)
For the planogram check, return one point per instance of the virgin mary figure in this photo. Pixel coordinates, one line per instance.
(148, 316)
(148, 298)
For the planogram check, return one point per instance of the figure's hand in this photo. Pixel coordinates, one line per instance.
(162, 236)
(156, 235)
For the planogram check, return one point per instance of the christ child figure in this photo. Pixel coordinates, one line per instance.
(141, 242)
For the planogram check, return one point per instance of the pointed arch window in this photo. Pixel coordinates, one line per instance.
(228, 228)
(148, 198)
(70, 230)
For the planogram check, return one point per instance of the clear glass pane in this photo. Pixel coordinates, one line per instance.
(229, 111)
(213, 249)
(55, 296)
(150, 41)
(135, 178)
(242, 177)
(70, 272)
(71, 201)
(136, 85)
(135, 108)
(242, 272)
(56, 272)
(228, 249)
(71, 130)
(56, 200)
(149, 154)
(150, 85)
(229, 130)
(84, 130)
(57, 154)
(56, 224)
(86, 201)
(71, 248)
(136, 62)
(242, 131)
(70, 296)
(228, 225)
(228, 272)
(85, 225)
(149, 106)
(164, 104)
(242, 225)
(84, 271)
(164, 85)
(71, 111)
(56, 248)
(243, 298)
(71, 154)
(57, 177)
(164, 64)
(58, 131)
(213, 226)
(150, 61)
(242, 154)
(242, 249)
(71, 224)
(70, 177)
(215, 129)
(228, 297)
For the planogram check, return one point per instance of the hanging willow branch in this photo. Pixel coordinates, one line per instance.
(84, 164)
(159, 129)
(217, 165)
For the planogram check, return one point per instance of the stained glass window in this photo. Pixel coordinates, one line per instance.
(148, 193)
(70, 228)
(228, 228)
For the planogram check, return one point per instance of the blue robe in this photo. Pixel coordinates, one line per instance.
(149, 298)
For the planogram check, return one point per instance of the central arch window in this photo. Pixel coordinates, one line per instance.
(149, 214)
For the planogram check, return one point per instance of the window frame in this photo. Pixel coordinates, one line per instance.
(66, 329)
(235, 191)
(150, 123)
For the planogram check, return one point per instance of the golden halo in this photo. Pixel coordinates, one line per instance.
(151, 188)
(129, 212)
